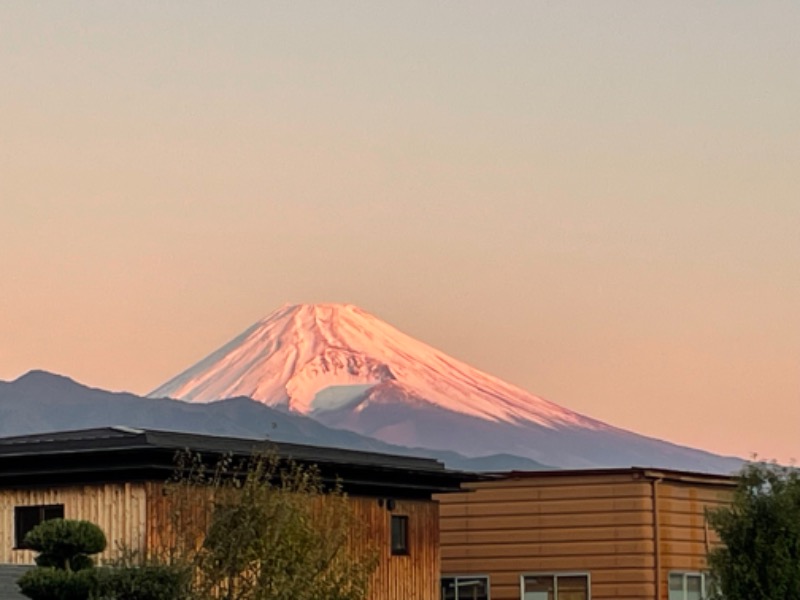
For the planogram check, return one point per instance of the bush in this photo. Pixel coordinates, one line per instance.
(65, 544)
(148, 582)
(48, 583)
(65, 570)
(759, 558)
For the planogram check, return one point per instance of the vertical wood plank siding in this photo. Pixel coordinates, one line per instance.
(411, 577)
(119, 509)
(599, 524)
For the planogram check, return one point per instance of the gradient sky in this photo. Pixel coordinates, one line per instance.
(597, 201)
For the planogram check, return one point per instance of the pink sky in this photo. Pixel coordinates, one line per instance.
(599, 202)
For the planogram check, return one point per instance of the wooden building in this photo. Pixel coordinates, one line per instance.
(638, 534)
(115, 478)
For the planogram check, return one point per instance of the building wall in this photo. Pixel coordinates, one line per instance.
(599, 524)
(411, 577)
(683, 531)
(119, 509)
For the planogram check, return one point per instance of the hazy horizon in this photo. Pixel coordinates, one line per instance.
(597, 202)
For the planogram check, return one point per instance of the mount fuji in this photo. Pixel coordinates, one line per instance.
(347, 369)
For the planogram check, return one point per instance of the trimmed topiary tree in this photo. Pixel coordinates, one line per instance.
(66, 544)
(48, 583)
(65, 567)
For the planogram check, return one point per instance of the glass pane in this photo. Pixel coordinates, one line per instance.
(539, 587)
(572, 587)
(694, 587)
(448, 588)
(675, 586)
(55, 511)
(399, 534)
(26, 518)
(472, 588)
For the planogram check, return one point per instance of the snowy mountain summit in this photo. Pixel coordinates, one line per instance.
(313, 358)
(348, 369)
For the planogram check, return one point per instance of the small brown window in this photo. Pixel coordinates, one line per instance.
(399, 534)
(28, 517)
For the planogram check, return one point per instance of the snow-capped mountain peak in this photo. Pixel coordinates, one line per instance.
(311, 358)
(348, 369)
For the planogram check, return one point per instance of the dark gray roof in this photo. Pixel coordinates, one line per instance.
(123, 452)
(648, 473)
(128, 437)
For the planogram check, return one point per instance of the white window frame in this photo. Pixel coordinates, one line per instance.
(468, 576)
(555, 575)
(703, 581)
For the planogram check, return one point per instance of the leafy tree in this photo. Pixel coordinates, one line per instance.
(65, 567)
(759, 558)
(273, 531)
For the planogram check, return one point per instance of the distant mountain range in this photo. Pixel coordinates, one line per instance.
(347, 369)
(40, 402)
(334, 375)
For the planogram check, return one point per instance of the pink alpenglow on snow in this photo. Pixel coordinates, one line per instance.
(349, 370)
(313, 358)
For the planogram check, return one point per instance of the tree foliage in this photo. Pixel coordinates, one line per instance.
(759, 558)
(64, 564)
(272, 531)
(49, 583)
(143, 581)
(66, 544)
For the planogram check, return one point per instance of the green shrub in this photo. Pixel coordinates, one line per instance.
(147, 582)
(65, 570)
(47, 583)
(79, 562)
(65, 544)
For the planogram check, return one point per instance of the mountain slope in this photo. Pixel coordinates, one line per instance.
(295, 352)
(348, 369)
(40, 402)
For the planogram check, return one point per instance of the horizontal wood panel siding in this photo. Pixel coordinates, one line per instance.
(550, 534)
(599, 524)
(411, 577)
(685, 537)
(119, 510)
(554, 521)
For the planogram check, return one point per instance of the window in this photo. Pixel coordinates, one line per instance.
(399, 534)
(465, 587)
(688, 586)
(556, 586)
(28, 517)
